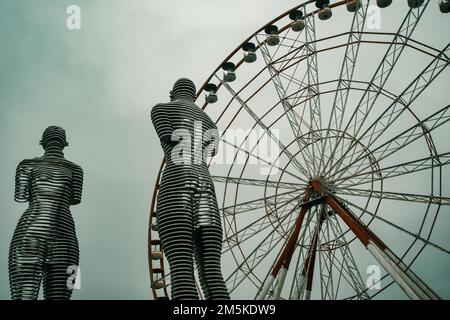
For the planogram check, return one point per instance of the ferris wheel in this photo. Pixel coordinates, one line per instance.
(334, 182)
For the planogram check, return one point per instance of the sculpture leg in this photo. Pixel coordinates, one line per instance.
(208, 246)
(56, 280)
(25, 280)
(175, 227)
(25, 268)
(208, 241)
(59, 271)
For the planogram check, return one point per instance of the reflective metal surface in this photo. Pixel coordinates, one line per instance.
(187, 213)
(44, 247)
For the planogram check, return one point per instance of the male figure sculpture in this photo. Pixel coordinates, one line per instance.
(187, 213)
(44, 245)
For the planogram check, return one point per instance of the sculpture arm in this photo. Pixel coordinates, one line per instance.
(22, 187)
(161, 122)
(77, 185)
(211, 140)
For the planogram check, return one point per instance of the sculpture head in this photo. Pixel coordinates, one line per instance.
(183, 89)
(54, 138)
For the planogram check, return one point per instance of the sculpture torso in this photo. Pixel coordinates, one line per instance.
(183, 116)
(50, 185)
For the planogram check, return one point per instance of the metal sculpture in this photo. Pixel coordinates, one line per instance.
(187, 213)
(44, 246)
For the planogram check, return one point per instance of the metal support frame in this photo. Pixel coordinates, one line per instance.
(407, 280)
(285, 258)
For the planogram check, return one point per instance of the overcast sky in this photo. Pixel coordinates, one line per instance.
(99, 84)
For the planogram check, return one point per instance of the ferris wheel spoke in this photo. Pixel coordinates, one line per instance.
(325, 261)
(345, 267)
(258, 182)
(259, 225)
(296, 290)
(329, 256)
(407, 280)
(330, 261)
(327, 282)
(409, 95)
(398, 196)
(244, 269)
(297, 123)
(300, 83)
(277, 71)
(248, 232)
(396, 109)
(382, 74)
(259, 203)
(421, 129)
(263, 160)
(301, 94)
(283, 259)
(295, 162)
(299, 97)
(313, 85)
(331, 284)
(299, 284)
(351, 267)
(411, 167)
(397, 227)
(346, 75)
(304, 271)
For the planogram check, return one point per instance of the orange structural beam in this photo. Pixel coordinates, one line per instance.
(363, 233)
(408, 281)
(288, 251)
(308, 268)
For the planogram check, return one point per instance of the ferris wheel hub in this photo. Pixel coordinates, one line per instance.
(321, 185)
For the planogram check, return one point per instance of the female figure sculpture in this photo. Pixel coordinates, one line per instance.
(44, 245)
(187, 212)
